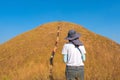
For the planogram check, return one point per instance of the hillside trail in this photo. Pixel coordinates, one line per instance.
(54, 51)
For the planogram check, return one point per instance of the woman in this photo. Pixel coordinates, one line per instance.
(74, 56)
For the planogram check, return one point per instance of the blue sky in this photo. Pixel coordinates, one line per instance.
(99, 16)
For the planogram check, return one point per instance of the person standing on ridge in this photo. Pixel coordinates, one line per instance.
(74, 56)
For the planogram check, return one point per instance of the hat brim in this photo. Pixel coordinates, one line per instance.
(77, 35)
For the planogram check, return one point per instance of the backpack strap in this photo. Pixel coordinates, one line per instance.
(80, 53)
(79, 50)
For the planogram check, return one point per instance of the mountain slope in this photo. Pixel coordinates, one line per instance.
(26, 57)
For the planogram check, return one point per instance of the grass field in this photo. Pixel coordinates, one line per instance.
(26, 57)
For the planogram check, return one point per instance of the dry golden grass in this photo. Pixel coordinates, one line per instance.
(26, 57)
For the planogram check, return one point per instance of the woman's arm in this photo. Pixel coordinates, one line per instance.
(83, 57)
(65, 58)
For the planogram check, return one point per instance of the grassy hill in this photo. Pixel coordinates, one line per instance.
(26, 57)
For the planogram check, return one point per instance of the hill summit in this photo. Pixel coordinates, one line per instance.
(26, 57)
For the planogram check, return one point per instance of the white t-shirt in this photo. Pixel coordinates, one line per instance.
(73, 54)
